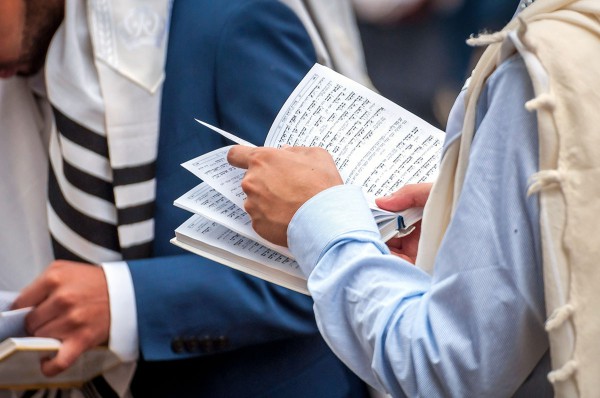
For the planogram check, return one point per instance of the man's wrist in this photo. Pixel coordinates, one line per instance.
(323, 218)
(123, 339)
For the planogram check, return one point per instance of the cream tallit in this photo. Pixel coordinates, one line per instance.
(559, 41)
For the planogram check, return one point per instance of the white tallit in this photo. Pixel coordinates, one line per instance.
(112, 55)
(24, 242)
(559, 41)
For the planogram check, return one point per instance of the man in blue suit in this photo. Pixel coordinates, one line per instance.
(124, 95)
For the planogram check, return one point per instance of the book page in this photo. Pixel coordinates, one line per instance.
(375, 143)
(214, 169)
(226, 134)
(207, 202)
(201, 229)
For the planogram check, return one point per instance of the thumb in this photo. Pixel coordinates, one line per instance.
(66, 356)
(394, 202)
(412, 195)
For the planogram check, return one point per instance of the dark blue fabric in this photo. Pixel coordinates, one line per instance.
(207, 330)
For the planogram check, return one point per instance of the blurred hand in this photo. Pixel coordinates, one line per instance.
(412, 195)
(71, 304)
(279, 181)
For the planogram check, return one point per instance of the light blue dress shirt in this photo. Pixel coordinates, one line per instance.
(476, 327)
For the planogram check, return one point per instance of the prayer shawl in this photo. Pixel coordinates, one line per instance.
(332, 28)
(23, 170)
(104, 72)
(559, 41)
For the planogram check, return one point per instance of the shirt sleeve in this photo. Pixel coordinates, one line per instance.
(123, 339)
(474, 328)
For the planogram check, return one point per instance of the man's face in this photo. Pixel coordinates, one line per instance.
(26, 28)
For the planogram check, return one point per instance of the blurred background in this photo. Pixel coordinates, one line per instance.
(415, 49)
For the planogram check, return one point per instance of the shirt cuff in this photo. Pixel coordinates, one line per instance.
(323, 218)
(123, 312)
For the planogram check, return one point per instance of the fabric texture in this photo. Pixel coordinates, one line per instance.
(23, 171)
(556, 39)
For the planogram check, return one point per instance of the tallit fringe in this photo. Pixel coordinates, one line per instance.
(564, 373)
(542, 180)
(485, 39)
(559, 317)
(543, 101)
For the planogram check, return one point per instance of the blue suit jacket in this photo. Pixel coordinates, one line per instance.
(206, 330)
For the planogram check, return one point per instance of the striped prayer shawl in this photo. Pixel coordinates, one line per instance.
(105, 91)
(104, 79)
(84, 221)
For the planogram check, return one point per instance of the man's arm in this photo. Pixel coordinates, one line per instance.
(476, 328)
(306, 172)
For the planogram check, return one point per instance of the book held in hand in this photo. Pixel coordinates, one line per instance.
(20, 356)
(375, 144)
(20, 359)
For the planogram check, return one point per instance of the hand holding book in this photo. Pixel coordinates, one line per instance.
(331, 130)
(409, 196)
(279, 182)
(21, 354)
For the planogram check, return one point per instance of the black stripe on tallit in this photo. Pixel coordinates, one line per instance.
(143, 250)
(103, 388)
(135, 214)
(134, 175)
(62, 253)
(80, 135)
(95, 231)
(29, 394)
(89, 183)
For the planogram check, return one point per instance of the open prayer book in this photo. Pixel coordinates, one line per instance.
(375, 144)
(20, 355)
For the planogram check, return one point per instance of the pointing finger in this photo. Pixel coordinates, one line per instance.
(238, 156)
